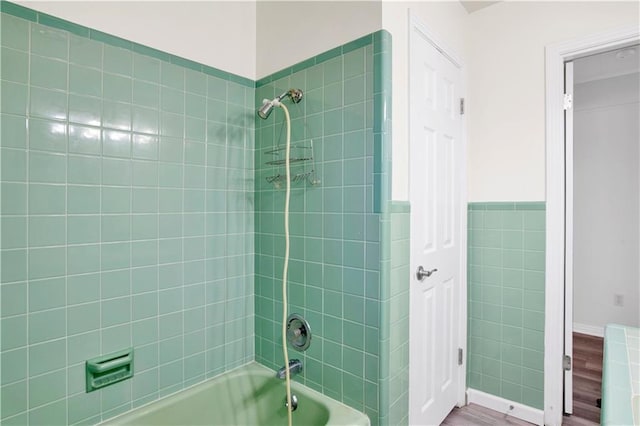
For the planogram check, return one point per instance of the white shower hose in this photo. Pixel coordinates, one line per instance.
(285, 270)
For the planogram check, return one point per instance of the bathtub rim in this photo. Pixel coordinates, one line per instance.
(339, 412)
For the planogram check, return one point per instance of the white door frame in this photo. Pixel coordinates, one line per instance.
(556, 55)
(416, 24)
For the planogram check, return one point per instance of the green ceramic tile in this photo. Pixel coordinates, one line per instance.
(115, 228)
(145, 120)
(83, 259)
(145, 173)
(15, 31)
(48, 73)
(172, 125)
(116, 200)
(172, 100)
(216, 88)
(85, 52)
(117, 88)
(47, 357)
(44, 389)
(116, 144)
(144, 200)
(146, 94)
(46, 325)
(196, 82)
(83, 170)
(195, 106)
(144, 253)
(354, 63)
(85, 110)
(534, 220)
(172, 75)
(46, 41)
(116, 172)
(14, 299)
(235, 93)
(116, 115)
(115, 311)
(115, 256)
(84, 288)
(13, 131)
(195, 129)
(83, 318)
(44, 103)
(14, 399)
(83, 406)
(534, 261)
(145, 306)
(46, 262)
(17, 359)
(532, 397)
(14, 99)
(83, 199)
(15, 65)
(118, 60)
(85, 81)
(354, 90)
(47, 231)
(14, 265)
(146, 68)
(83, 229)
(145, 384)
(84, 140)
(115, 284)
(14, 165)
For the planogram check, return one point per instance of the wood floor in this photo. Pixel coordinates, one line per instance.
(475, 415)
(587, 381)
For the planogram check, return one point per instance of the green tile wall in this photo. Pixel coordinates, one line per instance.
(506, 300)
(126, 219)
(394, 341)
(335, 226)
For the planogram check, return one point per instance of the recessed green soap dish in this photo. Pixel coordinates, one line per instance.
(109, 369)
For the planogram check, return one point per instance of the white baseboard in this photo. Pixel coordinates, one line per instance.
(514, 409)
(592, 330)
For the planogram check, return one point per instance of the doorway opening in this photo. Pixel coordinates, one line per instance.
(559, 233)
(602, 214)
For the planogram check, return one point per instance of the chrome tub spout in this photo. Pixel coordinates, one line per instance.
(295, 367)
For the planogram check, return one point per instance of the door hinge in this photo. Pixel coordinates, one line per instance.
(568, 101)
(461, 106)
(566, 363)
(460, 355)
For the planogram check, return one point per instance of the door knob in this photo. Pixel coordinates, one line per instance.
(421, 273)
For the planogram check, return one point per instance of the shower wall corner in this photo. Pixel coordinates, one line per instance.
(343, 258)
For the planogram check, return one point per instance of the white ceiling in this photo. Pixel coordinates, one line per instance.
(606, 64)
(473, 5)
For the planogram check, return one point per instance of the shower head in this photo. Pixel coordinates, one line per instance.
(267, 105)
(265, 110)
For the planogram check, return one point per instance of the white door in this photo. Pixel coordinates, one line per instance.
(436, 167)
(568, 241)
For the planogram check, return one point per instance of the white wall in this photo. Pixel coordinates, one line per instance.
(606, 202)
(216, 33)
(446, 21)
(506, 88)
(289, 32)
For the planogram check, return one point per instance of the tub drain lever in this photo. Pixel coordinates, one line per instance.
(294, 402)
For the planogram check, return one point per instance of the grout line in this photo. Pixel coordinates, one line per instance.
(28, 206)
(66, 233)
